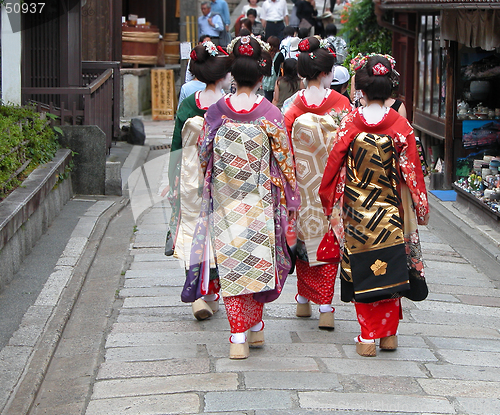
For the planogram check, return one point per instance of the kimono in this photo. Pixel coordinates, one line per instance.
(249, 186)
(369, 173)
(184, 169)
(312, 132)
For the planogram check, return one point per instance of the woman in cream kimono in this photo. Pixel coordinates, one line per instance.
(210, 64)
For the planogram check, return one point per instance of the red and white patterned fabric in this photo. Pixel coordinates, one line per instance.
(316, 283)
(243, 312)
(379, 319)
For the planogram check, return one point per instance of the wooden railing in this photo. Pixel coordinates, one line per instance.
(99, 102)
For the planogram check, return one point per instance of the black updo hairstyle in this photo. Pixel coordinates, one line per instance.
(248, 70)
(207, 68)
(310, 66)
(376, 87)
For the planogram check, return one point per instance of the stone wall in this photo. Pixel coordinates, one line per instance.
(29, 210)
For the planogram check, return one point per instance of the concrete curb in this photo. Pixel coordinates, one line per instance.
(473, 233)
(55, 303)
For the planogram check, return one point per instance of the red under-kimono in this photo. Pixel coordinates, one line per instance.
(381, 318)
(315, 282)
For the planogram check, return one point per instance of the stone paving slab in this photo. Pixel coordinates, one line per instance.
(460, 388)
(381, 367)
(402, 353)
(241, 400)
(480, 406)
(291, 381)
(139, 369)
(278, 350)
(451, 371)
(183, 403)
(388, 403)
(471, 358)
(165, 385)
(448, 330)
(480, 345)
(256, 363)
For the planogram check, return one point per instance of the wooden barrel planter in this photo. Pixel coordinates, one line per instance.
(140, 45)
(172, 52)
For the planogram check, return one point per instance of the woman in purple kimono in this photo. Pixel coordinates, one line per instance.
(249, 191)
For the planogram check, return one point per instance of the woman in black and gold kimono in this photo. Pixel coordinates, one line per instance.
(374, 175)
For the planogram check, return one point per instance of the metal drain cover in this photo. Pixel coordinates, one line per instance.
(160, 147)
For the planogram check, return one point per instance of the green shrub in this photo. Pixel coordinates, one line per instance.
(362, 30)
(37, 141)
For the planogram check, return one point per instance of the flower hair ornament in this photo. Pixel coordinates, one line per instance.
(265, 46)
(360, 61)
(380, 69)
(211, 48)
(304, 45)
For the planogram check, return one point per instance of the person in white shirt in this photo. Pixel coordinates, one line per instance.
(274, 17)
(252, 4)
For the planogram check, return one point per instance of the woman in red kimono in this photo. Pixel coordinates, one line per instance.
(373, 174)
(311, 118)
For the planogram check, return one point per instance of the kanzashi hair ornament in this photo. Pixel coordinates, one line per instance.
(193, 56)
(211, 48)
(332, 52)
(379, 69)
(221, 50)
(245, 49)
(245, 40)
(304, 45)
(262, 63)
(312, 55)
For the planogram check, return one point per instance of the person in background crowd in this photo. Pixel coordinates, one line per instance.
(306, 13)
(268, 82)
(189, 76)
(340, 80)
(210, 64)
(252, 4)
(250, 190)
(308, 108)
(289, 46)
(256, 26)
(210, 24)
(274, 17)
(221, 8)
(373, 175)
(287, 84)
(338, 44)
(303, 32)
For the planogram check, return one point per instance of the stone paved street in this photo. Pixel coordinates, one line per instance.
(159, 360)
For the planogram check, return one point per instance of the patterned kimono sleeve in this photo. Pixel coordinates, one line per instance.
(206, 144)
(411, 171)
(284, 158)
(332, 183)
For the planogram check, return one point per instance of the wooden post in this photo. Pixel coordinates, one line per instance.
(450, 115)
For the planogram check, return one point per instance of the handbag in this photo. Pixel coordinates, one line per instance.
(329, 248)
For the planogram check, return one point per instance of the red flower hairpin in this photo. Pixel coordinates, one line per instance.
(246, 50)
(304, 45)
(379, 69)
(193, 56)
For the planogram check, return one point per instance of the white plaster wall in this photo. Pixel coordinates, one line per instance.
(11, 59)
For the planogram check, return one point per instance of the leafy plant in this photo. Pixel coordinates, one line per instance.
(363, 32)
(26, 141)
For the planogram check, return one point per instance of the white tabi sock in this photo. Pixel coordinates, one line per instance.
(325, 308)
(238, 338)
(360, 339)
(301, 300)
(258, 327)
(211, 297)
